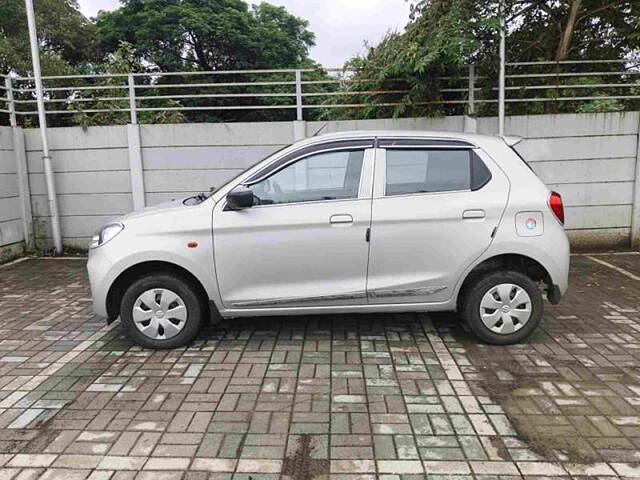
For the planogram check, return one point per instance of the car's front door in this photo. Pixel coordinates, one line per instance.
(304, 241)
(434, 211)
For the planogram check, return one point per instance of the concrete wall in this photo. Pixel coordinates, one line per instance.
(91, 175)
(11, 229)
(180, 159)
(591, 159)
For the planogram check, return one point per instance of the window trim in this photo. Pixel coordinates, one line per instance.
(288, 159)
(443, 192)
(417, 142)
(363, 170)
(308, 202)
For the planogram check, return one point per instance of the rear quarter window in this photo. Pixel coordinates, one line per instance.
(480, 174)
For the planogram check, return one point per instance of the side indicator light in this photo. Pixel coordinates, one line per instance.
(192, 244)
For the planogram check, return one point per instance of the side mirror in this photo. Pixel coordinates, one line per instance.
(239, 198)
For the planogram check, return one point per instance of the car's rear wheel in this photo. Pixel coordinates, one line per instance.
(161, 310)
(502, 307)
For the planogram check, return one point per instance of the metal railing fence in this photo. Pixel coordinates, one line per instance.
(124, 97)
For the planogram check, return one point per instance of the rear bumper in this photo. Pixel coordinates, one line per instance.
(558, 263)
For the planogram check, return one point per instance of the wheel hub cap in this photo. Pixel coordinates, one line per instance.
(505, 308)
(159, 313)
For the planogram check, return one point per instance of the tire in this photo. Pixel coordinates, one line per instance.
(178, 300)
(510, 322)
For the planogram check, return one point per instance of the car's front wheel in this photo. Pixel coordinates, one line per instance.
(502, 307)
(161, 310)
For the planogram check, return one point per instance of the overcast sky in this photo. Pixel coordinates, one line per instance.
(341, 26)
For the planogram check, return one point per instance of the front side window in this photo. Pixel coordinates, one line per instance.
(430, 170)
(323, 176)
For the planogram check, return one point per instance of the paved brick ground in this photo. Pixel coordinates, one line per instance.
(353, 397)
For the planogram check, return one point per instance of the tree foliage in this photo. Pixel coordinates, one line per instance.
(574, 29)
(156, 36)
(207, 34)
(112, 109)
(443, 34)
(460, 31)
(213, 35)
(67, 38)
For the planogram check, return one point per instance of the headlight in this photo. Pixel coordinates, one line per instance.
(105, 234)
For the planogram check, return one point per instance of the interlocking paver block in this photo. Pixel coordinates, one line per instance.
(380, 396)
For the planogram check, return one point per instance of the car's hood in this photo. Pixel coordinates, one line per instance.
(160, 208)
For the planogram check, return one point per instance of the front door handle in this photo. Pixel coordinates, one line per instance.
(473, 214)
(340, 218)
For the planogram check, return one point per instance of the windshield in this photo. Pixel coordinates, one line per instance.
(201, 197)
(246, 170)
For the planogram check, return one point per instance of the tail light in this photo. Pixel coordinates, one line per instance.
(555, 203)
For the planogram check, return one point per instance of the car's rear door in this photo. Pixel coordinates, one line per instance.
(435, 206)
(304, 244)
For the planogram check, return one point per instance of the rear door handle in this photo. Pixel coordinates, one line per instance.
(473, 214)
(341, 218)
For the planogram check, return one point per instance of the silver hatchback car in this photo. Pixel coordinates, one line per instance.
(341, 223)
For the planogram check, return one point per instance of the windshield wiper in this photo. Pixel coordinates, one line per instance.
(195, 199)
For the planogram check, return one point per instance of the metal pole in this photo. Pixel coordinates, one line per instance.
(502, 71)
(299, 94)
(472, 88)
(132, 99)
(42, 119)
(8, 84)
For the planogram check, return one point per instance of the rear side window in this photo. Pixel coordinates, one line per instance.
(431, 170)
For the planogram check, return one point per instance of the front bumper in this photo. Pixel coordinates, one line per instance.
(98, 267)
(554, 294)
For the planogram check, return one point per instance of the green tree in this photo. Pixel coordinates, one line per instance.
(443, 34)
(207, 34)
(153, 36)
(112, 110)
(66, 36)
(67, 46)
(214, 35)
(465, 30)
(574, 29)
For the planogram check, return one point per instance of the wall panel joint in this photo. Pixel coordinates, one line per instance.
(135, 166)
(635, 209)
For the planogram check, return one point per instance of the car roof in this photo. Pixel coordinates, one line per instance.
(473, 138)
